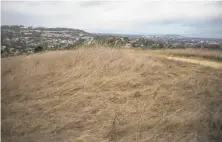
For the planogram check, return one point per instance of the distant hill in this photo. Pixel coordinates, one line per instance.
(18, 28)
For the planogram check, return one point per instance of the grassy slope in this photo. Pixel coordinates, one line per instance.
(108, 94)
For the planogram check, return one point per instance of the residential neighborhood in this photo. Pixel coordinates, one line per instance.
(18, 39)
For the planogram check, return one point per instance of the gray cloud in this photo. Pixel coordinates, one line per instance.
(92, 3)
(120, 17)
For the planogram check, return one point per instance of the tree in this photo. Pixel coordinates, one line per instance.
(126, 39)
(38, 49)
(155, 46)
(161, 45)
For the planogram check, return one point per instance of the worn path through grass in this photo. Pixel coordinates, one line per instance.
(200, 61)
(203, 62)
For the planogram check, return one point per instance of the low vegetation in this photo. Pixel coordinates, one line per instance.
(107, 94)
(38, 49)
(192, 52)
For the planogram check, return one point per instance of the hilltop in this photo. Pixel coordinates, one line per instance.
(108, 94)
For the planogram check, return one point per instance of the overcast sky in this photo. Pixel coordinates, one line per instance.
(127, 17)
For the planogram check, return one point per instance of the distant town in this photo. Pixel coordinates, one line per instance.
(18, 39)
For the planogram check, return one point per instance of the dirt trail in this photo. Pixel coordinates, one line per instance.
(203, 62)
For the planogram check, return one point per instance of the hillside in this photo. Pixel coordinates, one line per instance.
(102, 94)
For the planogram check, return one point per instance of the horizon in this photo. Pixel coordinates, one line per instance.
(196, 19)
(130, 34)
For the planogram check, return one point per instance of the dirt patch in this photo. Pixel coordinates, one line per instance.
(203, 62)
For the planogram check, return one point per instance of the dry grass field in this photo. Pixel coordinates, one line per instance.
(102, 94)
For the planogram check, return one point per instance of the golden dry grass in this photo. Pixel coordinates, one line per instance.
(191, 52)
(103, 94)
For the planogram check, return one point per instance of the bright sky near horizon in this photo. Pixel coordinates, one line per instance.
(203, 18)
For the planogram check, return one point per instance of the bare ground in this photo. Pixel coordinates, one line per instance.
(206, 54)
(102, 94)
(202, 62)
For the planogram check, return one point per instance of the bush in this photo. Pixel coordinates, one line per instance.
(38, 49)
(155, 46)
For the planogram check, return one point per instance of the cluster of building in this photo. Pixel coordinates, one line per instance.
(171, 41)
(18, 39)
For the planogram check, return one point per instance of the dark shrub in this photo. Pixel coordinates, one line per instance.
(38, 49)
